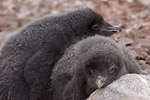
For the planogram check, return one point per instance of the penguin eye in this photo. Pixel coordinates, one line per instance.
(112, 70)
(95, 27)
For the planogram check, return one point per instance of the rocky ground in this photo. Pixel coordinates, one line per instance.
(132, 15)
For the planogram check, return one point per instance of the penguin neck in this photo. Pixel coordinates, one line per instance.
(89, 89)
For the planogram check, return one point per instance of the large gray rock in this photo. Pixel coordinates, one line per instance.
(128, 87)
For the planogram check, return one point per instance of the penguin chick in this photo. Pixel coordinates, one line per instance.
(88, 65)
(27, 58)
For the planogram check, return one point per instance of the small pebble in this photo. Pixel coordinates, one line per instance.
(148, 60)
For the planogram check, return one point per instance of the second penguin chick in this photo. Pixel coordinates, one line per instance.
(92, 63)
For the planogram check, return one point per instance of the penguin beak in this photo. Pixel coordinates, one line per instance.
(100, 81)
(109, 29)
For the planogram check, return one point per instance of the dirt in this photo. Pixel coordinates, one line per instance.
(132, 15)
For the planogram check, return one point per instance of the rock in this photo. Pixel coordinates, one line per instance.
(147, 70)
(145, 2)
(141, 62)
(148, 60)
(141, 55)
(128, 87)
(126, 41)
(148, 50)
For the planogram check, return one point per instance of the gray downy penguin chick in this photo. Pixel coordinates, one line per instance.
(27, 58)
(90, 64)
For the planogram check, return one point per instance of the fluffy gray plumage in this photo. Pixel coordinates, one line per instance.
(27, 58)
(90, 64)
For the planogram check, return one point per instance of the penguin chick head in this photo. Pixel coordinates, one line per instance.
(87, 22)
(103, 65)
